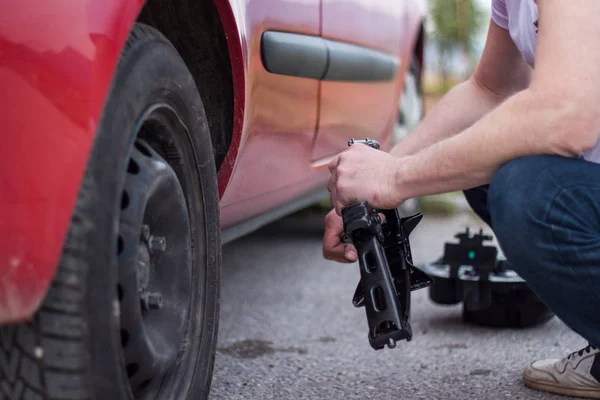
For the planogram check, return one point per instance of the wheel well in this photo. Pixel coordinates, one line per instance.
(195, 30)
(419, 47)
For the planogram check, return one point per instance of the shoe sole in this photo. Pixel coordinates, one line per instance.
(550, 388)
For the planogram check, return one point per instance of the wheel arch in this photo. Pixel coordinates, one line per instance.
(419, 50)
(70, 73)
(197, 29)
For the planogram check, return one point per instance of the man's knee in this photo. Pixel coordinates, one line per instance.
(519, 186)
(518, 196)
(477, 198)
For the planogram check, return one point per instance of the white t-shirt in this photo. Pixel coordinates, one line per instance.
(520, 18)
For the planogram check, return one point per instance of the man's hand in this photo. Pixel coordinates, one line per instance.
(333, 247)
(362, 173)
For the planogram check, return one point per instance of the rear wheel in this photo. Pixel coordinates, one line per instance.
(411, 109)
(132, 312)
(411, 106)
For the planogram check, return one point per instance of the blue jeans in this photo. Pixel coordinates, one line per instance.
(545, 213)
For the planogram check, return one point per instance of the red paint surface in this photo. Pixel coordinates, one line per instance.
(236, 44)
(282, 114)
(57, 58)
(359, 110)
(279, 119)
(56, 62)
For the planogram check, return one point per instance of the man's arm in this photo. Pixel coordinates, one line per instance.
(558, 114)
(501, 72)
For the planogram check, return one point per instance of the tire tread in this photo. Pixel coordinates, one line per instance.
(46, 351)
(47, 357)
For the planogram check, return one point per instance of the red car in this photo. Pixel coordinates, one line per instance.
(137, 137)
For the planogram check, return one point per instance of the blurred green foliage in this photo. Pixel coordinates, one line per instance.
(455, 26)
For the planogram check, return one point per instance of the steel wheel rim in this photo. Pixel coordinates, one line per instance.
(155, 261)
(410, 108)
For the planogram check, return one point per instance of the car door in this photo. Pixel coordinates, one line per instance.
(364, 103)
(280, 114)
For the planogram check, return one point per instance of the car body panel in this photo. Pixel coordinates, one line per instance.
(279, 118)
(362, 109)
(346, 109)
(57, 60)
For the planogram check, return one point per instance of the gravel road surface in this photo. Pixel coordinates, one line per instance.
(288, 329)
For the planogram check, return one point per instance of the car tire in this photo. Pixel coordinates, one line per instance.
(132, 312)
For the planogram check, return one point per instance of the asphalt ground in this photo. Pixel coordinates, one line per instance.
(288, 329)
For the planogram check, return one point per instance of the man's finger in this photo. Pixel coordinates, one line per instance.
(337, 253)
(350, 253)
(339, 203)
(332, 182)
(332, 236)
(333, 164)
(338, 208)
(333, 247)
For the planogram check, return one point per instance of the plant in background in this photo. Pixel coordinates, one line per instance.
(455, 26)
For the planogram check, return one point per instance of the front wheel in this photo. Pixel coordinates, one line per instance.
(132, 312)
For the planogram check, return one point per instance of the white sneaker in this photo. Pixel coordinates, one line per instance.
(576, 375)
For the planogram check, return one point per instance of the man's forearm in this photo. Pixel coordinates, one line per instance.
(457, 110)
(526, 124)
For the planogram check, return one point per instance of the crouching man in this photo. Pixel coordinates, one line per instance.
(523, 143)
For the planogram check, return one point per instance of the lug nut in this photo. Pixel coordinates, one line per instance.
(151, 300)
(157, 244)
(145, 232)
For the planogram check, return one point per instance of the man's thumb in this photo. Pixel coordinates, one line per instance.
(351, 254)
